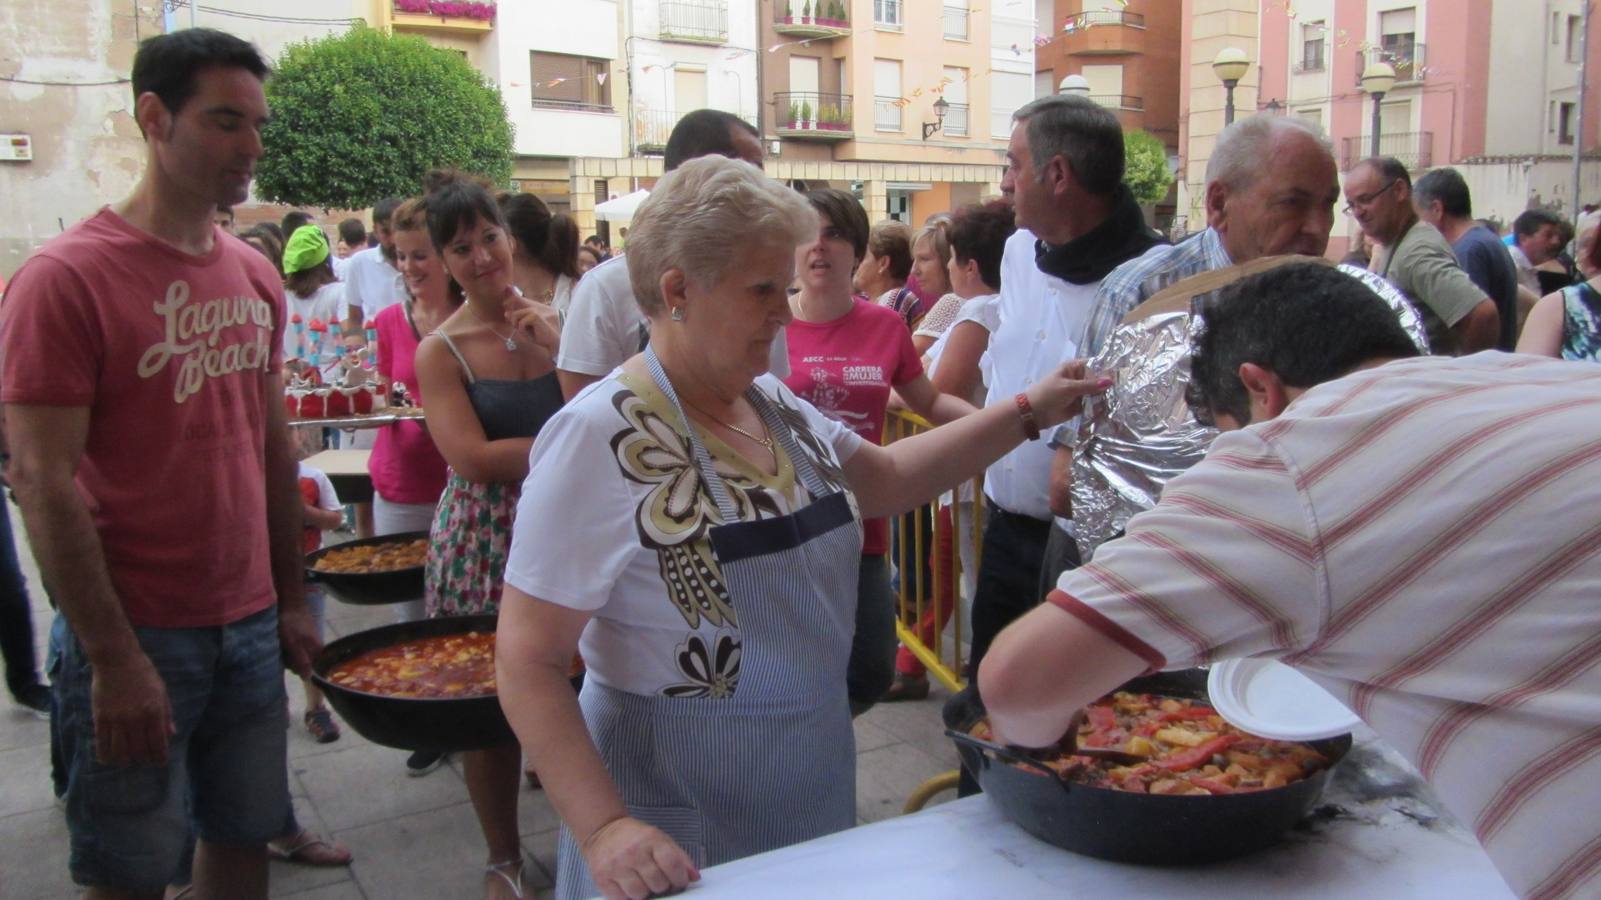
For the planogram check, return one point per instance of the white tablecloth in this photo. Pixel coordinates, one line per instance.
(1383, 837)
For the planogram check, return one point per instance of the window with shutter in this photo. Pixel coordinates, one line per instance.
(569, 82)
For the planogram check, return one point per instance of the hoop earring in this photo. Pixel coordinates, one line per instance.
(677, 314)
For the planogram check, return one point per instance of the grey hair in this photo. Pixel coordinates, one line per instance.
(1243, 149)
(698, 212)
(1081, 131)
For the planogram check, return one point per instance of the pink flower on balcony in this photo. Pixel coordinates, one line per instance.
(461, 9)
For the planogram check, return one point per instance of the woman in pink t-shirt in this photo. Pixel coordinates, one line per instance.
(845, 355)
(408, 474)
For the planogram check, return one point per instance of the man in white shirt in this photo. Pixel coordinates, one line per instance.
(1536, 238)
(372, 283)
(1076, 222)
(604, 325)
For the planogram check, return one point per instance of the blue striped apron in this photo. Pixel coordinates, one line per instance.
(774, 764)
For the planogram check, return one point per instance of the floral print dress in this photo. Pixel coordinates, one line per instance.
(467, 550)
(471, 533)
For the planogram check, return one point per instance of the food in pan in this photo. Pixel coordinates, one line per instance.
(1188, 750)
(448, 666)
(370, 559)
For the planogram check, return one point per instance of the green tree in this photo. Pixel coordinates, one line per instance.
(363, 115)
(1145, 166)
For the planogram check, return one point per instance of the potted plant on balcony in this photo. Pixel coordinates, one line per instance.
(793, 121)
(806, 13)
(806, 114)
(835, 16)
(789, 13)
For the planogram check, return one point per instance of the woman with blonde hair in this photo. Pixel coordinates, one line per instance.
(931, 258)
(695, 527)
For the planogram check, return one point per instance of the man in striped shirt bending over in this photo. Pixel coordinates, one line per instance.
(1420, 535)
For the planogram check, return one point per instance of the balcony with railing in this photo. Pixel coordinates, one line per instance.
(652, 128)
(1405, 57)
(1414, 149)
(887, 113)
(812, 18)
(468, 17)
(1103, 32)
(808, 115)
(956, 23)
(955, 123)
(694, 21)
(1120, 101)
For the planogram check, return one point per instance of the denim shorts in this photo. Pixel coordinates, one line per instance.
(227, 765)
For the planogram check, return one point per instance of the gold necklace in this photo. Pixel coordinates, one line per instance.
(765, 440)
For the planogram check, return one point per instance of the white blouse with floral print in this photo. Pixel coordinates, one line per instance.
(613, 521)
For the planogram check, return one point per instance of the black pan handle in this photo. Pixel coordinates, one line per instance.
(1008, 754)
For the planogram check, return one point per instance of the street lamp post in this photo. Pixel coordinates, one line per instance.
(1377, 79)
(941, 107)
(1230, 65)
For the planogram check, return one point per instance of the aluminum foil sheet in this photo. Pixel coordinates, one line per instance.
(1140, 434)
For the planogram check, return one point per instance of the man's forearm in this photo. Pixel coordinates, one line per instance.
(1478, 330)
(73, 563)
(1061, 489)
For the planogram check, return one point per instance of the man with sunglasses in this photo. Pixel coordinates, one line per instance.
(1418, 260)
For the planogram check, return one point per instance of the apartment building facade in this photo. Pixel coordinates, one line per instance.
(1489, 87)
(68, 140)
(1128, 53)
(906, 102)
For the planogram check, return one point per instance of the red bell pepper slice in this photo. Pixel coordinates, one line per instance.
(1193, 712)
(1189, 759)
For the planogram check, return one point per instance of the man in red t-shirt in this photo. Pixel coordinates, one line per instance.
(139, 357)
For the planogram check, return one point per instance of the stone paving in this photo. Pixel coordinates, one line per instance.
(412, 837)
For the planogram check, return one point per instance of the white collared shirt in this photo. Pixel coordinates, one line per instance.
(372, 283)
(1042, 320)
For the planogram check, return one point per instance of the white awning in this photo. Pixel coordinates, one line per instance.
(621, 209)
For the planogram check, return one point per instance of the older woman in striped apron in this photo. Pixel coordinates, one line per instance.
(694, 529)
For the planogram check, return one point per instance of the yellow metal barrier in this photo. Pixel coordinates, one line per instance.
(919, 625)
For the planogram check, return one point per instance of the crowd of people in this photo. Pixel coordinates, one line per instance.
(665, 470)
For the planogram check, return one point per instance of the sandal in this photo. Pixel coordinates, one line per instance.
(320, 722)
(310, 849)
(499, 871)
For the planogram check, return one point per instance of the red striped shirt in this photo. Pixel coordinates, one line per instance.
(1423, 539)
